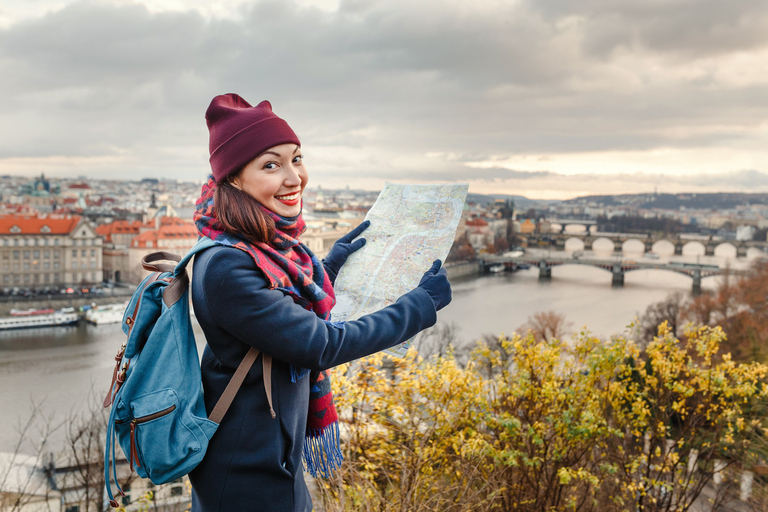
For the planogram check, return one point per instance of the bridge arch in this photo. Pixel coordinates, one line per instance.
(663, 248)
(694, 249)
(726, 250)
(754, 252)
(633, 246)
(574, 244)
(603, 245)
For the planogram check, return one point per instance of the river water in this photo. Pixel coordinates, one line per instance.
(65, 369)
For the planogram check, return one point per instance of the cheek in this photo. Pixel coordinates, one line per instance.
(261, 188)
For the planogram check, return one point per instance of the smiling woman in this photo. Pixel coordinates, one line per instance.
(260, 288)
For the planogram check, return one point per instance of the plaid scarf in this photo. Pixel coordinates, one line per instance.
(292, 268)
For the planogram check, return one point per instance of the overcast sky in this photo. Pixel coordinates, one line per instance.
(543, 98)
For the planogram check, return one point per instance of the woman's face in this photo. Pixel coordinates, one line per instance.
(276, 179)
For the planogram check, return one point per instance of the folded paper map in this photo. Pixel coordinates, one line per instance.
(411, 226)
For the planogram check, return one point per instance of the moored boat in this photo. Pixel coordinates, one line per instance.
(65, 316)
(32, 311)
(107, 314)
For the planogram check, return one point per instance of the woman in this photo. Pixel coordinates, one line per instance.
(260, 287)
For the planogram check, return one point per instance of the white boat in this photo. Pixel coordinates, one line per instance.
(66, 316)
(107, 314)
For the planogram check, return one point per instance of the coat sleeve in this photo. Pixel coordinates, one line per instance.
(237, 296)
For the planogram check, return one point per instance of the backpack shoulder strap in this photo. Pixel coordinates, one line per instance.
(202, 244)
(221, 407)
(178, 285)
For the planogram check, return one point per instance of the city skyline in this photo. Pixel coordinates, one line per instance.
(549, 100)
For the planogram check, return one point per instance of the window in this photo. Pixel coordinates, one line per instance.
(46, 265)
(36, 278)
(26, 265)
(6, 279)
(177, 491)
(71, 508)
(6, 267)
(74, 253)
(16, 279)
(6, 255)
(56, 241)
(26, 254)
(16, 242)
(35, 254)
(26, 279)
(74, 264)
(93, 252)
(56, 277)
(93, 264)
(56, 265)
(82, 253)
(55, 254)
(47, 278)
(46, 254)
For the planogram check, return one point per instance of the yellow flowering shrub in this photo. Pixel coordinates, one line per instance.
(544, 426)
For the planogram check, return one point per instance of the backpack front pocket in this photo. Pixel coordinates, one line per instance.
(159, 440)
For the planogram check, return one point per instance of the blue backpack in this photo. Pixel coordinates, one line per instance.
(158, 414)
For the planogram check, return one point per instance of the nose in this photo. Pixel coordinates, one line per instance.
(293, 176)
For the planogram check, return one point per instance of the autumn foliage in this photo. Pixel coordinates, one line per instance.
(546, 426)
(739, 305)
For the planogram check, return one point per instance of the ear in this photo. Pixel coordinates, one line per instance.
(235, 182)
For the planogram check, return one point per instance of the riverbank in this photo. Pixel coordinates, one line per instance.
(467, 268)
(112, 295)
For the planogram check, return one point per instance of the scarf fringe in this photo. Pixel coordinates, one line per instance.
(298, 373)
(322, 454)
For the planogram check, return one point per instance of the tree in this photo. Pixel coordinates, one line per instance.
(670, 310)
(586, 426)
(21, 482)
(546, 325)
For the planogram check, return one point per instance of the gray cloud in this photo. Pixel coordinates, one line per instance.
(396, 78)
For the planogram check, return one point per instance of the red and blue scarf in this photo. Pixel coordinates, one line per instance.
(293, 269)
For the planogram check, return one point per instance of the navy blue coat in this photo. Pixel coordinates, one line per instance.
(254, 462)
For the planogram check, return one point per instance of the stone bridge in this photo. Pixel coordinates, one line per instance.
(618, 269)
(710, 246)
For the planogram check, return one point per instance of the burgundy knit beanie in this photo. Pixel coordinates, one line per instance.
(239, 133)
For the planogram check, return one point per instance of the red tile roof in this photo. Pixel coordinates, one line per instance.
(175, 231)
(42, 225)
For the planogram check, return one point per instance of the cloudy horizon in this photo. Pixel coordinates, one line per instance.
(549, 99)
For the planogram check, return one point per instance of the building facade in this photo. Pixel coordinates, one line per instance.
(48, 251)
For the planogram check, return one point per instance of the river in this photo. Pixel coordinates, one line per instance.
(64, 369)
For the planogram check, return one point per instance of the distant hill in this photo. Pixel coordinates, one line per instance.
(697, 201)
(520, 201)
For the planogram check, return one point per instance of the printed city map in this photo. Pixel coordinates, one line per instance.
(411, 226)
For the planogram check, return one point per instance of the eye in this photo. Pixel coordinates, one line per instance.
(298, 159)
(270, 166)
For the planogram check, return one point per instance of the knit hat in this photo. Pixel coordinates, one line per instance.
(239, 133)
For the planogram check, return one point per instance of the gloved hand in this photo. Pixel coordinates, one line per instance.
(435, 283)
(343, 247)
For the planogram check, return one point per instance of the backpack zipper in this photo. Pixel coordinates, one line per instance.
(134, 455)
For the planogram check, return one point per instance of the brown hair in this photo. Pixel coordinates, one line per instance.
(241, 214)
